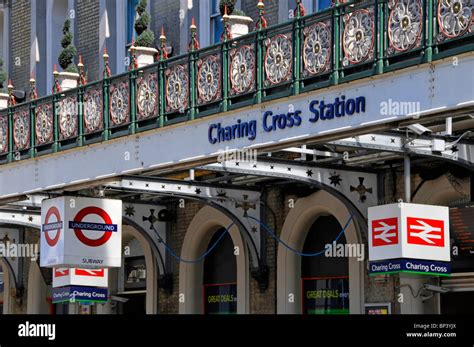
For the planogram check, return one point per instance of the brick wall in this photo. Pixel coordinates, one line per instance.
(166, 12)
(271, 10)
(169, 303)
(20, 33)
(87, 36)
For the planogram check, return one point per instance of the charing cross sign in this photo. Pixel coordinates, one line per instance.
(318, 110)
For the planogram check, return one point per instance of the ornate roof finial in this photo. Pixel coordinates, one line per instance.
(133, 63)
(82, 73)
(33, 92)
(106, 72)
(11, 97)
(164, 52)
(193, 24)
(194, 44)
(261, 22)
(300, 10)
(226, 35)
(56, 86)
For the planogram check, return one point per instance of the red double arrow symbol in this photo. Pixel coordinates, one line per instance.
(426, 232)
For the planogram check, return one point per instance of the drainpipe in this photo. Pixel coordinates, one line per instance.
(407, 178)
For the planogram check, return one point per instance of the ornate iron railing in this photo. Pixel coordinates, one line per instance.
(343, 43)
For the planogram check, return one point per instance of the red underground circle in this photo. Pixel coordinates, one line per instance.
(80, 234)
(53, 211)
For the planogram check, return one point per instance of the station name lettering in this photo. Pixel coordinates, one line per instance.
(318, 110)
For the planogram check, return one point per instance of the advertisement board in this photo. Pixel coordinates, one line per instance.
(328, 295)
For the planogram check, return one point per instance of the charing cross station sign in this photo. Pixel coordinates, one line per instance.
(318, 110)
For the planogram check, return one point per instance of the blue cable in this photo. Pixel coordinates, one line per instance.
(202, 256)
(267, 229)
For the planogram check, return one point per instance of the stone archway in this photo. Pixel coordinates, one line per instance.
(200, 231)
(151, 297)
(296, 227)
(7, 298)
(37, 291)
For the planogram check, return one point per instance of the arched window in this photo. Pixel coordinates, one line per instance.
(220, 276)
(319, 5)
(50, 17)
(217, 27)
(131, 16)
(324, 280)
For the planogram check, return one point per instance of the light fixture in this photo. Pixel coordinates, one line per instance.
(419, 129)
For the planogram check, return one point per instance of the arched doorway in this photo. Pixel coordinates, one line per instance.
(298, 224)
(133, 288)
(204, 226)
(324, 281)
(37, 299)
(5, 290)
(220, 276)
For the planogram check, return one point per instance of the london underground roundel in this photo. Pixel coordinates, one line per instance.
(80, 225)
(51, 225)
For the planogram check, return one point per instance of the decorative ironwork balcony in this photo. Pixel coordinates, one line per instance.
(346, 42)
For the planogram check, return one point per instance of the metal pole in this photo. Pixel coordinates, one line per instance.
(449, 126)
(407, 178)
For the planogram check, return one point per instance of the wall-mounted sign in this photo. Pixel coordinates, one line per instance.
(81, 232)
(329, 295)
(220, 298)
(80, 277)
(462, 237)
(317, 111)
(411, 231)
(71, 294)
(414, 266)
(378, 308)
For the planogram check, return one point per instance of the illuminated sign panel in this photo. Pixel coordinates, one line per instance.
(220, 298)
(326, 295)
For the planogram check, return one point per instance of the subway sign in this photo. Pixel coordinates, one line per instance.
(317, 111)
